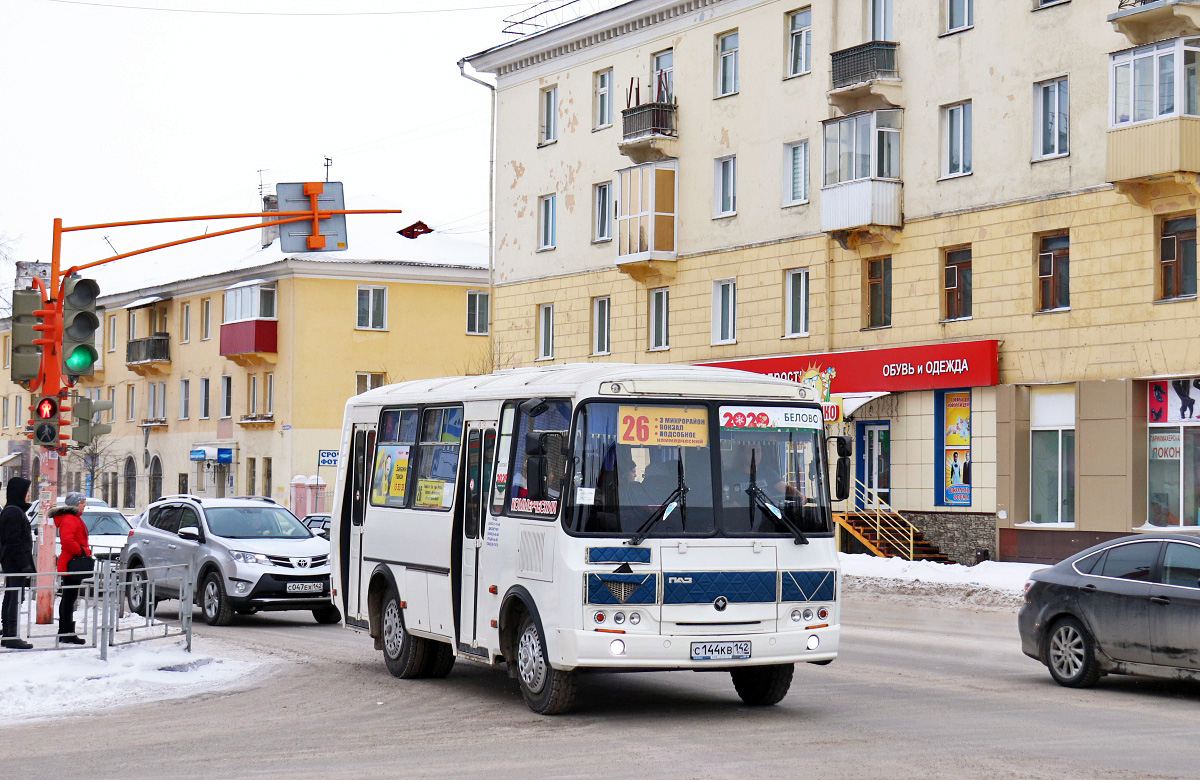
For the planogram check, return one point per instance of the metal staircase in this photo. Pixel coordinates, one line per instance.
(882, 530)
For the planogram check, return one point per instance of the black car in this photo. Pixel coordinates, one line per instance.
(1127, 606)
(318, 524)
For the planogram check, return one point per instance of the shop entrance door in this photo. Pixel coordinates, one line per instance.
(877, 465)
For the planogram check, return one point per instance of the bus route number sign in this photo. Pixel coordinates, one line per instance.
(662, 426)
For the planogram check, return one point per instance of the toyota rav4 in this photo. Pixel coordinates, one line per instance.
(247, 555)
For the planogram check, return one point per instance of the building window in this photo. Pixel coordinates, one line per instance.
(547, 217)
(795, 173)
(131, 325)
(725, 186)
(1052, 454)
(156, 407)
(112, 400)
(1155, 81)
(545, 345)
(365, 380)
(601, 318)
(372, 308)
(1177, 257)
(112, 333)
(879, 292)
(602, 197)
(205, 319)
(266, 463)
(250, 302)
(548, 119)
(185, 323)
(1051, 123)
(226, 397)
(4, 406)
(850, 152)
(130, 407)
(664, 76)
(252, 395)
(604, 95)
(958, 284)
(204, 398)
(130, 480)
(269, 405)
(799, 42)
(881, 20)
(477, 313)
(956, 139)
(251, 476)
(184, 399)
(645, 207)
(960, 14)
(660, 319)
(727, 64)
(1054, 273)
(795, 302)
(724, 311)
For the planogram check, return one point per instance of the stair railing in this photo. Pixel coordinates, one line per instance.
(890, 527)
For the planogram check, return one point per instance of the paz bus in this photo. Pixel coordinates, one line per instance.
(586, 517)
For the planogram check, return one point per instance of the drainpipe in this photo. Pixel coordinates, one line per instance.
(462, 70)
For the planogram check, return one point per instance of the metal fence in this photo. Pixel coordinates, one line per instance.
(871, 60)
(101, 604)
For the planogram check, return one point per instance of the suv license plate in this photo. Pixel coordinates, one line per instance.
(305, 587)
(718, 651)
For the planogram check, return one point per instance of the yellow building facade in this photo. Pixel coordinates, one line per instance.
(231, 384)
(975, 220)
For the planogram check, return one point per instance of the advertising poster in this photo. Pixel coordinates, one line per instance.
(956, 448)
(1173, 400)
(391, 475)
(663, 426)
(429, 493)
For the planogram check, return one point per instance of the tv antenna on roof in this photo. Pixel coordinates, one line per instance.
(328, 162)
(261, 171)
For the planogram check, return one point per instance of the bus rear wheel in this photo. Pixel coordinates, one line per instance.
(547, 691)
(403, 653)
(763, 685)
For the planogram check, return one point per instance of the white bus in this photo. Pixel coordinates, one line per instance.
(583, 517)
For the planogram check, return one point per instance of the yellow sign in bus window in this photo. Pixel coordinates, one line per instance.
(663, 426)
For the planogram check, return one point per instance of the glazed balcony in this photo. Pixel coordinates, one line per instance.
(849, 209)
(1147, 21)
(866, 77)
(250, 342)
(649, 132)
(150, 355)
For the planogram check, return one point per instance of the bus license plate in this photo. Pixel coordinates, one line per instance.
(305, 587)
(719, 651)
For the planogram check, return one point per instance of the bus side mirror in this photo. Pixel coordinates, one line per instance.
(842, 479)
(843, 446)
(535, 470)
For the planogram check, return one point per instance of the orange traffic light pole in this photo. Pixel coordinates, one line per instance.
(50, 378)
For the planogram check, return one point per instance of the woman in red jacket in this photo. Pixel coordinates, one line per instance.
(73, 542)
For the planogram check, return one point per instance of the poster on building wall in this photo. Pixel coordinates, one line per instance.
(1174, 400)
(956, 448)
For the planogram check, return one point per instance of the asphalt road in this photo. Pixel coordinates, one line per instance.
(918, 691)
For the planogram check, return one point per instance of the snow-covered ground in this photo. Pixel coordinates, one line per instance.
(989, 574)
(38, 685)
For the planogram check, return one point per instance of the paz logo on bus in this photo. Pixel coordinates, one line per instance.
(679, 580)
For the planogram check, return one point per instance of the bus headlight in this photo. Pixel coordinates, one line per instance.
(808, 616)
(619, 618)
(635, 618)
(814, 642)
(795, 616)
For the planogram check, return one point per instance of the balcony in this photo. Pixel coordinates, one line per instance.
(1147, 21)
(262, 420)
(149, 355)
(250, 342)
(865, 206)
(649, 132)
(1144, 155)
(865, 77)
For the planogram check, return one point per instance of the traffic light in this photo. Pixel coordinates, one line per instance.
(84, 410)
(45, 420)
(26, 356)
(79, 324)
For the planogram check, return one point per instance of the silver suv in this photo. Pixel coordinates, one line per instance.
(248, 555)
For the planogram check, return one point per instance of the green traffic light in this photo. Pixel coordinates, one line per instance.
(81, 359)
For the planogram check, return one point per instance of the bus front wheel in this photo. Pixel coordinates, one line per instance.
(546, 690)
(763, 685)
(403, 653)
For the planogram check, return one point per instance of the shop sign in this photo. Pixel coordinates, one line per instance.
(224, 455)
(1174, 400)
(198, 455)
(895, 369)
(1165, 445)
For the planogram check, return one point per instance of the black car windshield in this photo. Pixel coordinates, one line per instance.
(105, 523)
(630, 461)
(255, 522)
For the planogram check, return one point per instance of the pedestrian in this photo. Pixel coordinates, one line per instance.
(16, 556)
(75, 562)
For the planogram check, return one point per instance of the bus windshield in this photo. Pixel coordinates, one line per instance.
(684, 469)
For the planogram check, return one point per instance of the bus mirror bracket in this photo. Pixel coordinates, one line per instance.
(534, 407)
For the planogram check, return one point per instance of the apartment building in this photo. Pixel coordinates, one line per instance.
(974, 223)
(231, 383)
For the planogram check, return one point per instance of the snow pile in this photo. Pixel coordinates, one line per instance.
(990, 583)
(37, 685)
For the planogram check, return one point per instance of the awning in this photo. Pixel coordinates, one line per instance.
(852, 402)
(142, 303)
(203, 453)
(248, 283)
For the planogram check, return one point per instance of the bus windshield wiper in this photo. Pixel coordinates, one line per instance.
(760, 499)
(676, 500)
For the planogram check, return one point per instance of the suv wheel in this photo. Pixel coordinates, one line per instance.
(138, 593)
(217, 609)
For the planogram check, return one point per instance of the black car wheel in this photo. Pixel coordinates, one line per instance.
(1071, 654)
(327, 615)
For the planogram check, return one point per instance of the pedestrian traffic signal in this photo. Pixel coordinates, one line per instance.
(79, 325)
(26, 356)
(84, 410)
(45, 420)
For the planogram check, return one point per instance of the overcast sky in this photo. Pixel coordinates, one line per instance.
(119, 110)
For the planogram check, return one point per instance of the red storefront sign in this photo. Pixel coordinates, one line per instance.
(897, 369)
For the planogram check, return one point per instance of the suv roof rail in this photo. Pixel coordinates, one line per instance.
(177, 495)
(254, 498)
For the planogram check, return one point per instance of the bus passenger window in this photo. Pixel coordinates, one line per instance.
(541, 459)
(393, 458)
(503, 458)
(437, 464)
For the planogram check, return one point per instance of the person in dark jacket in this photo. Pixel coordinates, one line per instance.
(16, 556)
(73, 543)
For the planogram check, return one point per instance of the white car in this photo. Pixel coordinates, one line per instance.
(32, 513)
(108, 531)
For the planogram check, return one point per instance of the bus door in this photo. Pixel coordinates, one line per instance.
(351, 527)
(481, 445)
